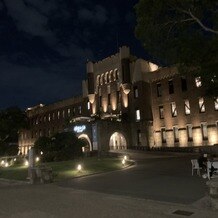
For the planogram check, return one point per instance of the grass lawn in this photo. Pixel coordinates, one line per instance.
(66, 169)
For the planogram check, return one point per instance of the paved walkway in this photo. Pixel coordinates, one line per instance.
(51, 201)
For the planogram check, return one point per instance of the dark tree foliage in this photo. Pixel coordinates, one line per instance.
(182, 33)
(11, 121)
(61, 146)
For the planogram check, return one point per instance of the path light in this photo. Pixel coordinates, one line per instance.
(37, 159)
(6, 164)
(125, 157)
(26, 163)
(79, 167)
(2, 162)
(15, 159)
(123, 161)
(41, 152)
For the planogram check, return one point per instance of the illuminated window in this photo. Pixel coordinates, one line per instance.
(163, 135)
(161, 112)
(63, 113)
(111, 76)
(183, 84)
(159, 90)
(173, 109)
(68, 112)
(201, 105)
(49, 117)
(58, 114)
(171, 87)
(101, 79)
(204, 131)
(198, 82)
(137, 113)
(216, 103)
(187, 107)
(98, 80)
(189, 132)
(88, 105)
(136, 93)
(176, 133)
(106, 78)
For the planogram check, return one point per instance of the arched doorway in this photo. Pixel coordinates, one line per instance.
(88, 146)
(117, 141)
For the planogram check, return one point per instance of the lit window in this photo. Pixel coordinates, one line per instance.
(49, 117)
(204, 131)
(163, 135)
(88, 105)
(171, 87)
(216, 103)
(137, 112)
(58, 114)
(161, 112)
(159, 90)
(136, 93)
(173, 109)
(198, 82)
(187, 107)
(201, 105)
(189, 132)
(101, 79)
(68, 112)
(63, 113)
(176, 133)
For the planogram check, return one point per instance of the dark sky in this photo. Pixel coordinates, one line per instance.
(44, 45)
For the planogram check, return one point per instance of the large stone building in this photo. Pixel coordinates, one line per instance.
(130, 103)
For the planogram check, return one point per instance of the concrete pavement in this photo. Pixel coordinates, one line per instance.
(51, 201)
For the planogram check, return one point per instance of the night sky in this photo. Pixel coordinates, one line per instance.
(45, 44)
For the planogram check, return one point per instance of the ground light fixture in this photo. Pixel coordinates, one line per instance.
(79, 167)
(26, 163)
(2, 162)
(41, 152)
(37, 159)
(123, 161)
(125, 157)
(6, 164)
(15, 159)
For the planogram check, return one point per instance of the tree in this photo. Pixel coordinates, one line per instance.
(11, 120)
(182, 33)
(61, 146)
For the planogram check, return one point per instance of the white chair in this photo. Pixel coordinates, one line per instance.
(195, 166)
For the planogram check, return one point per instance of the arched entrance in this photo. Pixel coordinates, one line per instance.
(117, 141)
(88, 146)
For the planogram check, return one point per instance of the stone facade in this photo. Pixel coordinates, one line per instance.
(129, 103)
